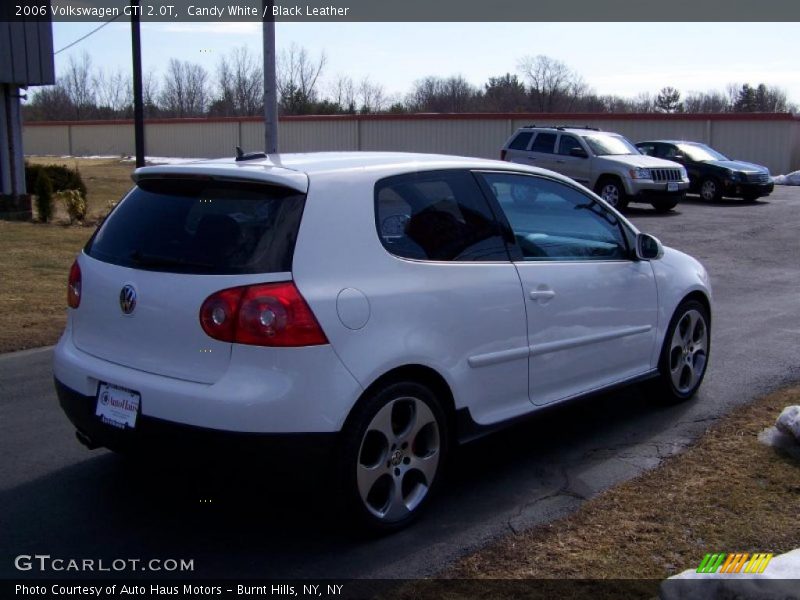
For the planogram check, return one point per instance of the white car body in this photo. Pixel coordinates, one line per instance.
(505, 337)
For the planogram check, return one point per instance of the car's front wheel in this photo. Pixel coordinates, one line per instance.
(394, 448)
(710, 190)
(684, 355)
(611, 190)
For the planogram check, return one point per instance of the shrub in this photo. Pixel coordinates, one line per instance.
(44, 196)
(75, 204)
(62, 178)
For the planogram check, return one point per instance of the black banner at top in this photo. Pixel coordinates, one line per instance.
(598, 11)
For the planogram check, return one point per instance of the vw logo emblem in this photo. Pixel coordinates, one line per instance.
(127, 299)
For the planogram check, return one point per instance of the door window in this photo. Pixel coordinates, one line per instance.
(437, 215)
(567, 143)
(544, 142)
(521, 141)
(552, 221)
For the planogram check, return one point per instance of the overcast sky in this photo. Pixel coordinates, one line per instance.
(613, 58)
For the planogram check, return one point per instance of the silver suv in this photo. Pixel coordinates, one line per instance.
(604, 162)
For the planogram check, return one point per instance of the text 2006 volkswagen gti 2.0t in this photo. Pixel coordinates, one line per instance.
(377, 307)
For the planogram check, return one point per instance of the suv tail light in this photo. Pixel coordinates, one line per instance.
(502, 154)
(269, 314)
(74, 286)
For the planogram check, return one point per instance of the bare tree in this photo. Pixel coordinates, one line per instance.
(298, 75)
(344, 93)
(437, 94)
(185, 89)
(371, 96)
(553, 85)
(114, 91)
(150, 94)
(78, 84)
(241, 84)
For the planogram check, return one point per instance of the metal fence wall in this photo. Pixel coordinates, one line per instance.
(769, 139)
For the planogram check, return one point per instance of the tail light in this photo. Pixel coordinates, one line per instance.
(502, 154)
(74, 286)
(270, 314)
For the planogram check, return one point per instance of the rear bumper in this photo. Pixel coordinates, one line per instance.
(155, 436)
(263, 390)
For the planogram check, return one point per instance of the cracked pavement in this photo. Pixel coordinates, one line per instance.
(60, 499)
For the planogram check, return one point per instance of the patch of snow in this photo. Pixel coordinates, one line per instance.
(789, 421)
(779, 580)
(792, 178)
(772, 436)
(162, 160)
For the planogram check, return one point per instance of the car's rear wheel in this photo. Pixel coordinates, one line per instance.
(684, 355)
(710, 190)
(611, 190)
(394, 450)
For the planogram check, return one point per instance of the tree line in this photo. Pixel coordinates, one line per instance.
(541, 84)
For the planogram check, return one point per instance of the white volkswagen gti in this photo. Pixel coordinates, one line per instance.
(375, 308)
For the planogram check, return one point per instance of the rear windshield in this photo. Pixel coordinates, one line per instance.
(203, 227)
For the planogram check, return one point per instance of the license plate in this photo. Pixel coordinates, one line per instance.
(117, 406)
(672, 186)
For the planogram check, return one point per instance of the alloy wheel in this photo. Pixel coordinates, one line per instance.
(398, 458)
(688, 354)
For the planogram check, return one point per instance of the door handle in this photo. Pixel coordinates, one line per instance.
(544, 295)
(531, 158)
(560, 162)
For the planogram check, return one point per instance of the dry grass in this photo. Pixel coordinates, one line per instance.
(726, 493)
(35, 258)
(34, 264)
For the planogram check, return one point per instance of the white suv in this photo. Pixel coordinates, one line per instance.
(373, 308)
(602, 161)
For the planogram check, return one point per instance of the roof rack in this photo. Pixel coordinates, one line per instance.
(240, 155)
(563, 127)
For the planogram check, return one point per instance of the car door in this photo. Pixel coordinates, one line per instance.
(591, 307)
(575, 167)
(541, 153)
(517, 151)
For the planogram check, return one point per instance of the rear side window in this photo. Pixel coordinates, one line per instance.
(544, 142)
(437, 215)
(203, 227)
(521, 141)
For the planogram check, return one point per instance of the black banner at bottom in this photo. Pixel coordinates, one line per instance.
(378, 589)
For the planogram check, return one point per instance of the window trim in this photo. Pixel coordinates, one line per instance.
(432, 174)
(626, 229)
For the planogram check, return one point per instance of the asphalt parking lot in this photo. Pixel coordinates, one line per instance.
(58, 498)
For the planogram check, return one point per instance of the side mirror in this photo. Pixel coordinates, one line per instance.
(579, 152)
(648, 247)
(678, 157)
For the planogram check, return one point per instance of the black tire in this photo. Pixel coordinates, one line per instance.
(611, 190)
(664, 206)
(687, 363)
(710, 189)
(399, 463)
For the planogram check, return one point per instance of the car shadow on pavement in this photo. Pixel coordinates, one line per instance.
(244, 521)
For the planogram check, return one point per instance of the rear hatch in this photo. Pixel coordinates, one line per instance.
(170, 244)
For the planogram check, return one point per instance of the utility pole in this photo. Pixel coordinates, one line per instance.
(138, 105)
(270, 83)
